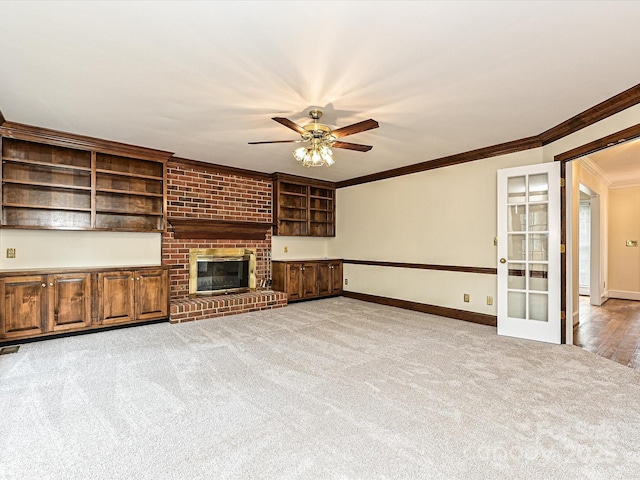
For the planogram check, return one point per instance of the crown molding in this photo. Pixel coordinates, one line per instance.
(471, 156)
(592, 115)
(594, 169)
(21, 131)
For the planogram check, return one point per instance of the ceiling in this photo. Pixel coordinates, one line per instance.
(618, 165)
(202, 79)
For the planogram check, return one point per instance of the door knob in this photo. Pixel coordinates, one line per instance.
(503, 260)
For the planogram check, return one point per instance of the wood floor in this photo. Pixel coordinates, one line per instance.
(611, 330)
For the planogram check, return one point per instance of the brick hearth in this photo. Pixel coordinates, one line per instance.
(190, 309)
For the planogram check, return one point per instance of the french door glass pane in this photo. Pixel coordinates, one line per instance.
(516, 190)
(538, 277)
(539, 307)
(538, 215)
(516, 247)
(517, 278)
(517, 219)
(538, 246)
(538, 188)
(516, 304)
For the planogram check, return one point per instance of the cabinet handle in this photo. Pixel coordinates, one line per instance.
(44, 285)
(51, 284)
(132, 279)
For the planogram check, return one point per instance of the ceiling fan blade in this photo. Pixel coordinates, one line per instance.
(276, 141)
(355, 128)
(352, 146)
(292, 125)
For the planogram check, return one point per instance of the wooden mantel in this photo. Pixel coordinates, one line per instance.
(218, 229)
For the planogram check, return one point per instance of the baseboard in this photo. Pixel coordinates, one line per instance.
(465, 315)
(623, 295)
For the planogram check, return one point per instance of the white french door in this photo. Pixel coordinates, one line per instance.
(529, 252)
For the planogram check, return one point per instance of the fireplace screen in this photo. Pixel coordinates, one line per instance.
(221, 270)
(222, 274)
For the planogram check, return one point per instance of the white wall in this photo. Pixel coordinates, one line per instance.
(62, 248)
(582, 174)
(624, 224)
(444, 216)
(298, 248)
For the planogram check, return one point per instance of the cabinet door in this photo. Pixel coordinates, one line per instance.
(309, 280)
(23, 306)
(336, 277)
(69, 301)
(294, 283)
(324, 279)
(151, 298)
(116, 297)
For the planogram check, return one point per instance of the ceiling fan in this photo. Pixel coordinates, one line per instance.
(321, 138)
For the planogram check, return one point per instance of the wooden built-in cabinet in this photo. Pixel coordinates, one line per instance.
(34, 304)
(303, 207)
(52, 180)
(307, 279)
(329, 278)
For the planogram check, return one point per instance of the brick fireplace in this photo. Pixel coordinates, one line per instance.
(201, 193)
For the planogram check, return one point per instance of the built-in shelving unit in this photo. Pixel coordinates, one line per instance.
(303, 207)
(61, 181)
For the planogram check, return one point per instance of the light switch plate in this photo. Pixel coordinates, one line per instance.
(11, 253)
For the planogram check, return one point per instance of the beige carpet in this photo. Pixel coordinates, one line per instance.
(329, 389)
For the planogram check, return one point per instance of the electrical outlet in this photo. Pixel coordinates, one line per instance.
(466, 297)
(11, 253)
(286, 249)
(346, 281)
(489, 300)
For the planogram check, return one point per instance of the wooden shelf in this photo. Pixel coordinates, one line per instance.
(218, 229)
(126, 212)
(46, 207)
(299, 194)
(44, 184)
(293, 194)
(127, 174)
(126, 192)
(86, 185)
(45, 164)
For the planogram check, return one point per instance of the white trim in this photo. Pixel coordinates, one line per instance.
(625, 183)
(591, 167)
(621, 294)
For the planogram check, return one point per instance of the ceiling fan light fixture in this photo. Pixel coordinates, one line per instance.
(320, 137)
(314, 156)
(300, 153)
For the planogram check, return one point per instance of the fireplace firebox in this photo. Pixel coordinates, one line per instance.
(215, 271)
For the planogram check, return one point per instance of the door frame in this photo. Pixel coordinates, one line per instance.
(566, 235)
